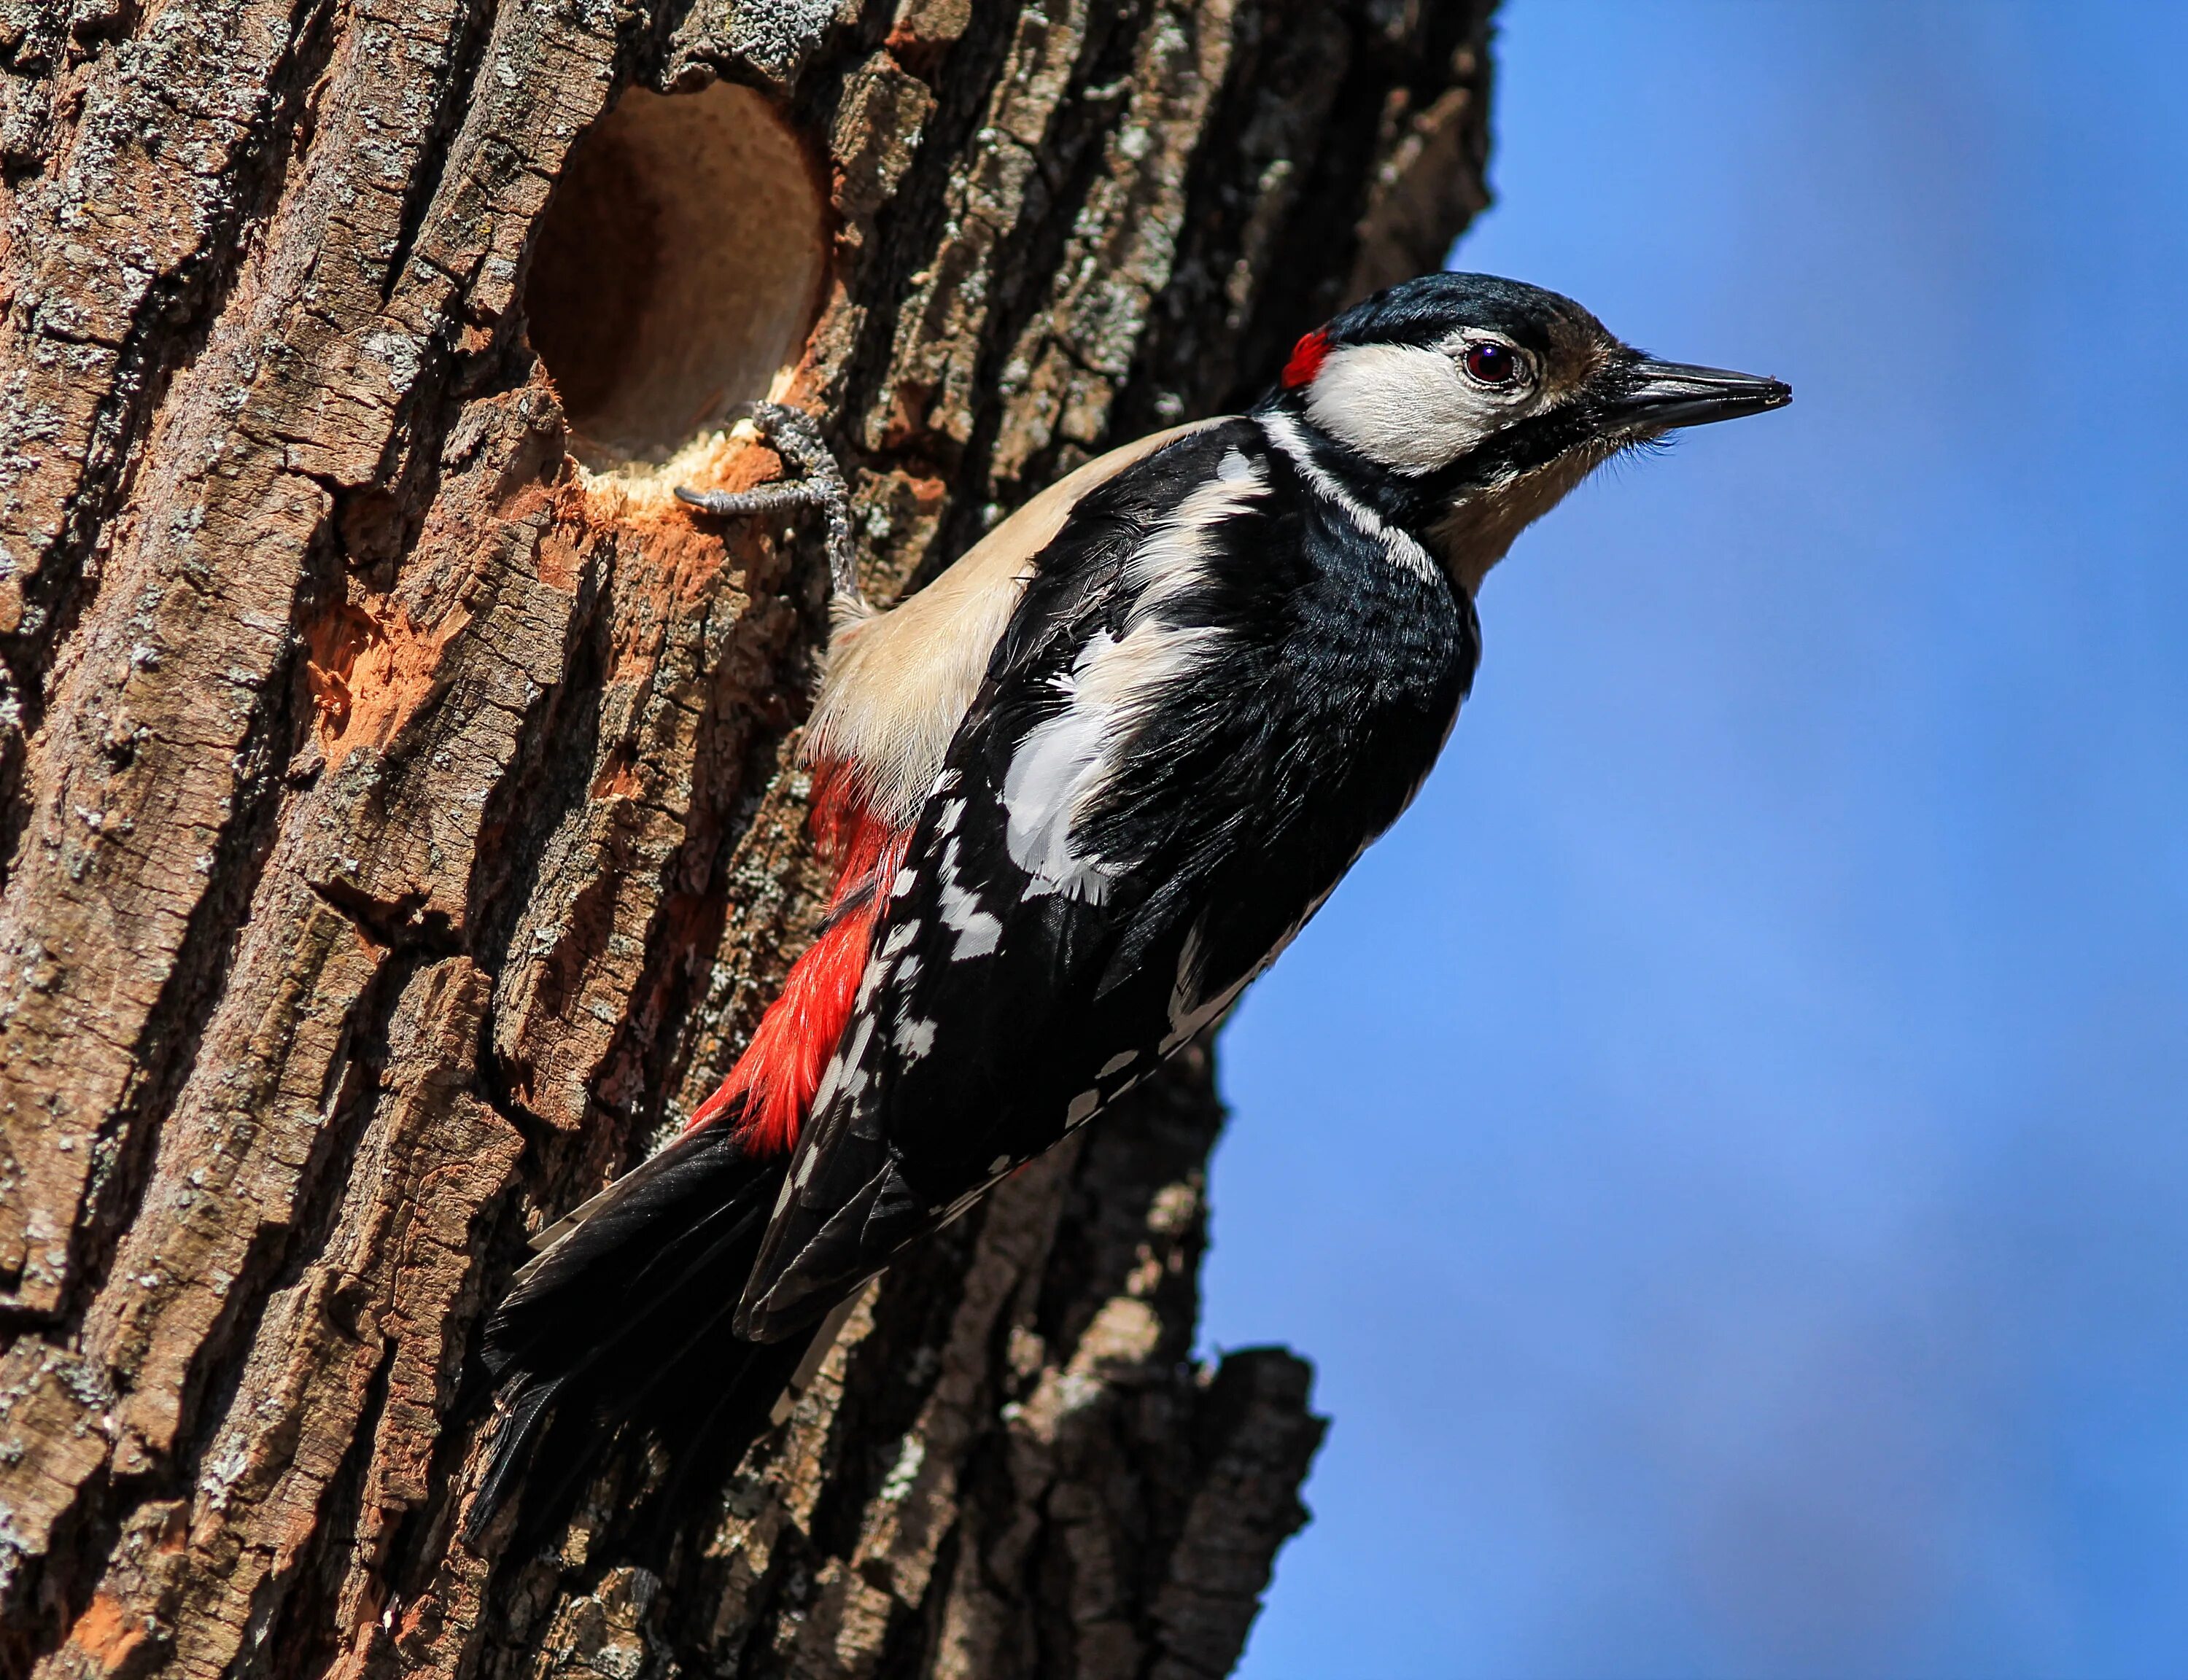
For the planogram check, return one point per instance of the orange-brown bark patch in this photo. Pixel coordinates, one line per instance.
(369, 668)
(560, 558)
(106, 1631)
(672, 552)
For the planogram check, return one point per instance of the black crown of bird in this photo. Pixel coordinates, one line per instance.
(1077, 792)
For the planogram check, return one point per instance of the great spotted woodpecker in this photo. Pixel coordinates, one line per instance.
(1078, 792)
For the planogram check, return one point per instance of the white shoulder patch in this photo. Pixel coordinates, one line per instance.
(897, 684)
(1064, 763)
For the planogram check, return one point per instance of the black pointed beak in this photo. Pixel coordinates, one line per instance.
(1662, 395)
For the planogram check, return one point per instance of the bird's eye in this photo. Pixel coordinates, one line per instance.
(1492, 364)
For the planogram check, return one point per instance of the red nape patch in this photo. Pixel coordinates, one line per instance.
(771, 1088)
(1307, 356)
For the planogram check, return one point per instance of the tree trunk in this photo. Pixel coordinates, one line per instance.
(396, 797)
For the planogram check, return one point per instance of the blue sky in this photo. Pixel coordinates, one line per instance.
(1725, 1149)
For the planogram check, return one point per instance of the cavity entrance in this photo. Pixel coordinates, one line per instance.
(676, 271)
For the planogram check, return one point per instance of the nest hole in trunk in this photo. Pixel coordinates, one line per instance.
(676, 272)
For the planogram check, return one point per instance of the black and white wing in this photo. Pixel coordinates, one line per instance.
(1215, 692)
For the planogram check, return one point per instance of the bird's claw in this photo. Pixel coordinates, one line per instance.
(797, 438)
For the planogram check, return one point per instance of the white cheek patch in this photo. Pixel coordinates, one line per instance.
(1403, 406)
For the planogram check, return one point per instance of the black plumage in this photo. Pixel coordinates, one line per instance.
(623, 1320)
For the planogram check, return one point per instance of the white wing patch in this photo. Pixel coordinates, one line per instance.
(898, 683)
(1064, 763)
(978, 931)
(1040, 789)
(914, 1040)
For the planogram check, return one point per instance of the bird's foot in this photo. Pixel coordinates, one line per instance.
(794, 435)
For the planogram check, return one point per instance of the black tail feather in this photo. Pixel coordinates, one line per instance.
(515, 1436)
(622, 1324)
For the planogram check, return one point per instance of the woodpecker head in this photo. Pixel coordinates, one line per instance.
(1464, 407)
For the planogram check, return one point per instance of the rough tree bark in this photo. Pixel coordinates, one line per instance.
(394, 801)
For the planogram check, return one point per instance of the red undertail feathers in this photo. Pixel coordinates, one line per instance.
(771, 1088)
